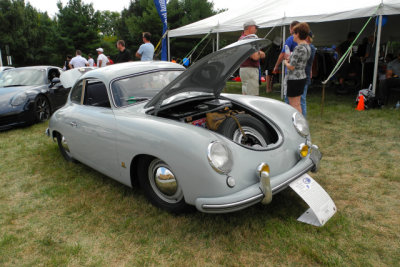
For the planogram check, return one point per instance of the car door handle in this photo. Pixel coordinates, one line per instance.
(73, 124)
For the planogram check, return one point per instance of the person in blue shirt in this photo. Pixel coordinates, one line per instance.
(291, 44)
(146, 50)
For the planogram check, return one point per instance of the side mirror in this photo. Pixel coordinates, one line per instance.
(55, 81)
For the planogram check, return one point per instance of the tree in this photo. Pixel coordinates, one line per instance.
(27, 32)
(78, 27)
(142, 16)
(183, 12)
(108, 22)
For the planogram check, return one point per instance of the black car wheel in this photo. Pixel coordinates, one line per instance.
(64, 149)
(160, 185)
(42, 109)
(256, 134)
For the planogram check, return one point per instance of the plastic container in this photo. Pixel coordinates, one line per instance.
(287, 52)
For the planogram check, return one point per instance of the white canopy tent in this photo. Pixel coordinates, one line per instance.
(272, 13)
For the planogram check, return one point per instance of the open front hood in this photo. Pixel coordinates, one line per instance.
(209, 74)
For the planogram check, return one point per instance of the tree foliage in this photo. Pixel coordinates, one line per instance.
(77, 26)
(141, 16)
(28, 33)
(34, 38)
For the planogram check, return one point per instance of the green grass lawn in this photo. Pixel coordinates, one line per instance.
(56, 213)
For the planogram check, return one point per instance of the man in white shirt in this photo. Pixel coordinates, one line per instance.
(78, 61)
(90, 60)
(102, 60)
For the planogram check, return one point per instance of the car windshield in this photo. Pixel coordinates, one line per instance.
(22, 77)
(134, 89)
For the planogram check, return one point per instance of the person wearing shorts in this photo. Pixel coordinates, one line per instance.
(296, 64)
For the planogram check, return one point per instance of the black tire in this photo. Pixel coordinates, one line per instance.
(161, 193)
(256, 132)
(42, 110)
(64, 149)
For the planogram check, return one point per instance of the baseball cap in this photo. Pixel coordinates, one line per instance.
(250, 23)
(100, 49)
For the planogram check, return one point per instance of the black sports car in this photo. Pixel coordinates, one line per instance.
(29, 95)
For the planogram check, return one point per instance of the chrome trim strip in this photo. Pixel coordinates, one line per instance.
(228, 206)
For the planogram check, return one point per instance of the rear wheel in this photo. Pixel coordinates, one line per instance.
(42, 109)
(160, 185)
(64, 149)
(255, 135)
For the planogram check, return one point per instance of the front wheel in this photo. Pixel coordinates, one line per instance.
(42, 109)
(160, 185)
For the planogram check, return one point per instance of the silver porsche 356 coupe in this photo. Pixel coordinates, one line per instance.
(184, 141)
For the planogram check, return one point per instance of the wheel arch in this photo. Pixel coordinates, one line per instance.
(47, 98)
(134, 167)
(54, 135)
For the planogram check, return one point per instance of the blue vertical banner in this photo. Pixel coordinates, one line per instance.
(161, 6)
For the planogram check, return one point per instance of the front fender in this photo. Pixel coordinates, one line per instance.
(182, 146)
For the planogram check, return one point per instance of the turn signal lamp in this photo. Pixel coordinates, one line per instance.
(263, 167)
(304, 150)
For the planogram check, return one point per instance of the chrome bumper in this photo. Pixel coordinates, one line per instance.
(260, 192)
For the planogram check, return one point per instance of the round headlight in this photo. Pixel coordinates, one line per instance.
(19, 99)
(220, 157)
(301, 125)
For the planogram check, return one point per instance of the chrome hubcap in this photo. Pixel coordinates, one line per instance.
(253, 137)
(163, 182)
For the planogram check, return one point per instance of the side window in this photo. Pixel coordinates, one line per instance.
(53, 73)
(96, 94)
(76, 93)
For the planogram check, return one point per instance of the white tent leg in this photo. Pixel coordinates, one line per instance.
(213, 44)
(283, 67)
(378, 44)
(217, 41)
(169, 55)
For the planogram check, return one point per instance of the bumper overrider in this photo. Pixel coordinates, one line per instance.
(262, 191)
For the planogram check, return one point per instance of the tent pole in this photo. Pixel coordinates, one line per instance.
(213, 44)
(323, 99)
(169, 55)
(378, 44)
(283, 68)
(217, 41)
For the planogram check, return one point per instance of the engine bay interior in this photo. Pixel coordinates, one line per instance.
(227, 118)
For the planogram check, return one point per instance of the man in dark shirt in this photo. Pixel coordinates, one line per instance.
(124, 54)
